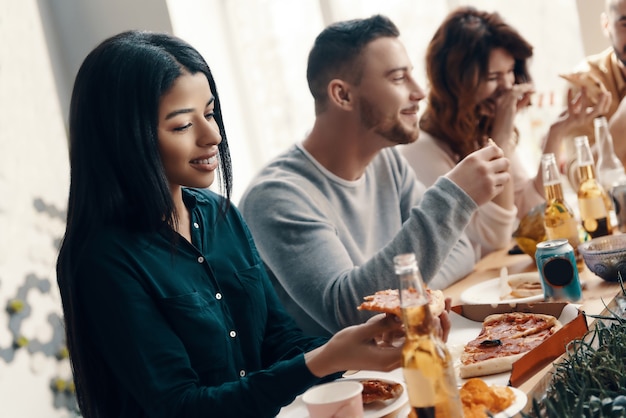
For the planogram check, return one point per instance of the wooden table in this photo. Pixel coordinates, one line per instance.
(596, 293)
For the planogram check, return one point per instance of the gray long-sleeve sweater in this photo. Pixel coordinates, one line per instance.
(328, 242)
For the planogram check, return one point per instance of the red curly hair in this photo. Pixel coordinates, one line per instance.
(457, 61)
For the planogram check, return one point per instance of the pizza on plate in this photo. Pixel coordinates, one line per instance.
(388, 301)
(523, 286)
(503, 339)
(377, 390)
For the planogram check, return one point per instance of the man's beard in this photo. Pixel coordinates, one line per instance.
(389, 128)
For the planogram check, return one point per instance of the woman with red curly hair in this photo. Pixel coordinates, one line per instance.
(478, 79)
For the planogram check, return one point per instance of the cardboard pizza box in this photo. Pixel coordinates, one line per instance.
(574, 326)
(617, 306)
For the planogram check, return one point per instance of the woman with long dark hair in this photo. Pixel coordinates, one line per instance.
(167, 305)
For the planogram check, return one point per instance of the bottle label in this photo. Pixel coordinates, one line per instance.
(598, 227)
(420, 388)
(594, 216)
(592, 208)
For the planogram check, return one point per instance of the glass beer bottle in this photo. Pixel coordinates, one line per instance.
(426, 362)
(593, 202)
(559, 219)
(610, 169)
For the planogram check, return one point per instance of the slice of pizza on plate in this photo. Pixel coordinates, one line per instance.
(524, 286)
(503, 339)
(379, 390)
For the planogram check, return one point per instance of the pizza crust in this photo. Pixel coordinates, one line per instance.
(437, 302)
(524, 286)
(489, 366)
(509, 330)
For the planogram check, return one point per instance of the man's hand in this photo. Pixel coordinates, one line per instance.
(482, 174)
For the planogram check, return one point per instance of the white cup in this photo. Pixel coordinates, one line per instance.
(339, 399)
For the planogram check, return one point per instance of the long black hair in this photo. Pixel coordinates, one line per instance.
(117, 177)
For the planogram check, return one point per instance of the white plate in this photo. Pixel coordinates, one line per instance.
(489, 292)
(518, 404)
(297, 409)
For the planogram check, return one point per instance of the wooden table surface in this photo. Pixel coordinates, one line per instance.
(596, 293)
(595, 289)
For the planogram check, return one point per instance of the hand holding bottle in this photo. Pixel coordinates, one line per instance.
(427, 364)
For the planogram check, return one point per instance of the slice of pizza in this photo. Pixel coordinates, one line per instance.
(388, 301)
(377, 390)
(524, 286)
(592, 84)
(503, 339)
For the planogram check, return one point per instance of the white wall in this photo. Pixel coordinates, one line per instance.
(589, 12)
(41, 46)
(33, 190)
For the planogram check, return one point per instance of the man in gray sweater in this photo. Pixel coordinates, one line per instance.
(329, 214)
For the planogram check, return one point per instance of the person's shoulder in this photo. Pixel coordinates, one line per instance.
(111, 242)
(599, 58)
(290, 170)
(424, 149)
(287, 163)
(598, 64)
(427, 141)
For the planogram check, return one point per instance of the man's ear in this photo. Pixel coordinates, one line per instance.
(339, 93)
(604, 23)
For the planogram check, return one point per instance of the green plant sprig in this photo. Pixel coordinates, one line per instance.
(591, 379)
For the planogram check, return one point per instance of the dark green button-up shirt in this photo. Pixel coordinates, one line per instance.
(191, 330)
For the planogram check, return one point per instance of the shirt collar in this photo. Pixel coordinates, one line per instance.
(616, 69)
(191, 198)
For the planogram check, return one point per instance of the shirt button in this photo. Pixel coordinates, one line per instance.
(195, 225)
(242, 373)
(233, 334)
(218, 296)
(200, 259)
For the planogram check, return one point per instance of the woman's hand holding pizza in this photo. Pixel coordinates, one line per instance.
(356, 348)
(508, 104)
(388, 301)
